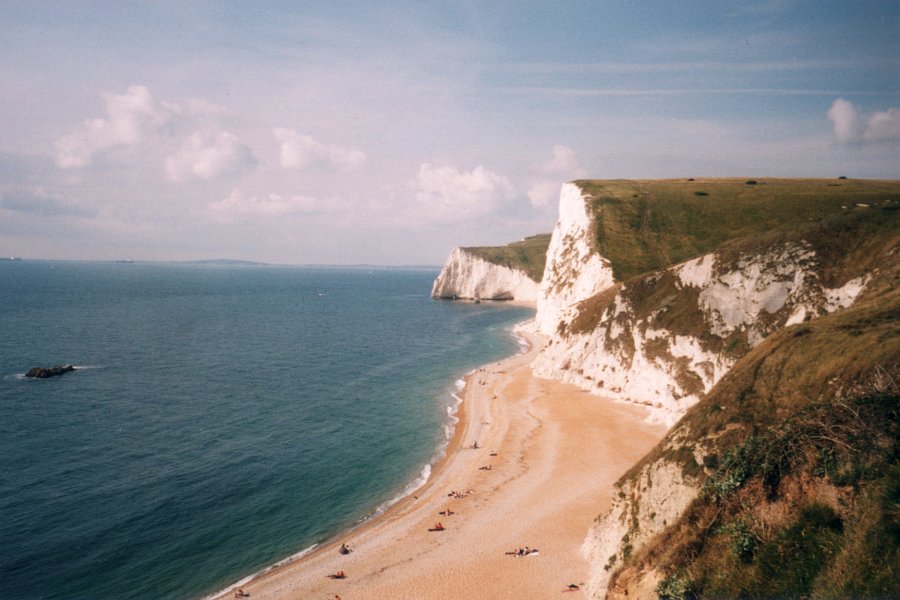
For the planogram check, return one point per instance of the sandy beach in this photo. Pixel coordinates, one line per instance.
(547, 456)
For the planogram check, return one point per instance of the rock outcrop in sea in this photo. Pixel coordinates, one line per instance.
(46, 372)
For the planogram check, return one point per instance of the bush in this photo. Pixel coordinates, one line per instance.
(790, 562)
(677, 586)
(741, 540)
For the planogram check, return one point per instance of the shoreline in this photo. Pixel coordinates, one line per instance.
(534, 438)
(442, 455)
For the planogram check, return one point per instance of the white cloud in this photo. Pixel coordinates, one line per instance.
(883, 126)
(842, 115)
(543, 192)
(445, 193)
(849, 126)
(301, 151)
(273, 205)
(209, 157)
(562, 167)
(129, 117)
(563, 161)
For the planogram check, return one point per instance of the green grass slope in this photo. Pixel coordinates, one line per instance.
(528, 255)
(848, 244)
(646, 225)
(800, 473)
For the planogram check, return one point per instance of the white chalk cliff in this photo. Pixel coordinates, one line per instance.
(574, 270)
(634, 350)
(470, 277)
(663, 340)
(636, 353)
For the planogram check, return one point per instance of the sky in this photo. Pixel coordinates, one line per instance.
(327, 132)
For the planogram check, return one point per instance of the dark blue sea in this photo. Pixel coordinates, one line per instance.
(222, 418)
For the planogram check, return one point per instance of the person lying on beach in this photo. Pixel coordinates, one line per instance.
(526, 551)
(493, 454)
(338, 575)
(572, 587)
(447, 512)
(239, 593)
(485, 468)
(437, 527)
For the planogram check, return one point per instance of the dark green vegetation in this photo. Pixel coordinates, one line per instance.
(800, 481)
(643, 226)
(529, 255)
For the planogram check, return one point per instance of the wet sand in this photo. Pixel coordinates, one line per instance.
(558, 451)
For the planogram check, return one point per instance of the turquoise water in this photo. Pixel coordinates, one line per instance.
(223, 418)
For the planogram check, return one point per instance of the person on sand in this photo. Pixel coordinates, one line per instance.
(345, 549)
(240, 593)
(572, 587)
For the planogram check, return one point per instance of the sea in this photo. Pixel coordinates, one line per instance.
(221, 418)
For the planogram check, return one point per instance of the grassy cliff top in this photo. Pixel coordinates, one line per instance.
(528, 255)
(646, 225)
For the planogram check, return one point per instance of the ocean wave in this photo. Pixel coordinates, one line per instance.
(411, 487)
(242, 582)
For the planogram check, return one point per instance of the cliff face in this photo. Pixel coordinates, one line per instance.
(626, 319)
(782, 481)
(665, 339)
(731, 308)
(623, 323)
(716, 329)
(470, 277)
(574, 269)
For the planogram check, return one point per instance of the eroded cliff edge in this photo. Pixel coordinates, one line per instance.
(654, 289)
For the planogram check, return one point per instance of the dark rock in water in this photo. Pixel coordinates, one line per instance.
(42, 373)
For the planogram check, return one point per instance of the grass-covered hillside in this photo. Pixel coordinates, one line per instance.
(645, 225)
(796, 451)
(528, 255)
(849, 242)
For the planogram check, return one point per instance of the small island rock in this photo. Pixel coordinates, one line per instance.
(44, 373)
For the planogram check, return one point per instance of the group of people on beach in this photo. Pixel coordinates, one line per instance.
(459, 495)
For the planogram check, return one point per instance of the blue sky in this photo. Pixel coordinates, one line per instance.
(388, 133)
